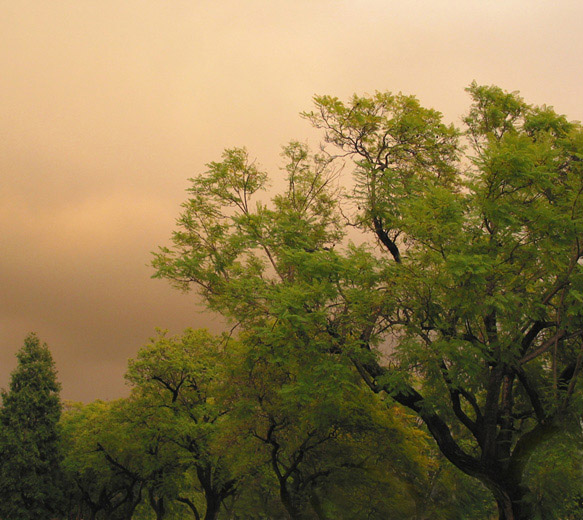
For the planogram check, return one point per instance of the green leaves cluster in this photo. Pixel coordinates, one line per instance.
(464, 306)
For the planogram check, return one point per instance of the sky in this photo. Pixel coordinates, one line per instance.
(108, 107)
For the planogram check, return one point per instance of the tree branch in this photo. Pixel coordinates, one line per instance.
(190, 504)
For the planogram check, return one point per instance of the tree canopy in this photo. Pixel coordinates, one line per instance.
(462, 298)
(407, 336)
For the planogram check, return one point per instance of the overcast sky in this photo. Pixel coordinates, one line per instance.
(107, 107)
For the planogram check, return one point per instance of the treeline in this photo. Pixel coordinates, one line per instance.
(411, 347)
(210, 431)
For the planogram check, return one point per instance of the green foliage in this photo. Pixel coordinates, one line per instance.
(179, 404)
(309, 419)
(30, 475)
(555, 476)
(103, 461)
(472, 279)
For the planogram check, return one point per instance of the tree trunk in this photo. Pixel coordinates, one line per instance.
(502, 477)
(213, 505)
(157, 505)
(511, 503)
(191, 505)
(293, 502)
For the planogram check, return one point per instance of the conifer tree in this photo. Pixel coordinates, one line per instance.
(29, 454)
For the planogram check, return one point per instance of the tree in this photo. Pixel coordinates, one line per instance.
(466, 307)
(30, 474)
(100, 457)
(486, 301)
(178, 380)
(313, 424)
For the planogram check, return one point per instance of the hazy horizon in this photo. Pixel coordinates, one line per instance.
(108, 107)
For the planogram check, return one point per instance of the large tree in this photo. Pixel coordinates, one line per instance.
(30, 474)
(465, 307)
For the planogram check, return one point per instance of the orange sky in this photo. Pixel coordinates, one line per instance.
(108, 106)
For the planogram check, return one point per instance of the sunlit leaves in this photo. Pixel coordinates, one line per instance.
(466, 305)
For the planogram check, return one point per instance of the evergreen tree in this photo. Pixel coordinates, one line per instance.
(29, 463)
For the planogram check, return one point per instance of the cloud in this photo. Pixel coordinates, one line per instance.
(108, 107)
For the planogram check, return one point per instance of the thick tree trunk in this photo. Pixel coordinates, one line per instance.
(213, 505)
(500, 470)
(214, 493)
(511, 502)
